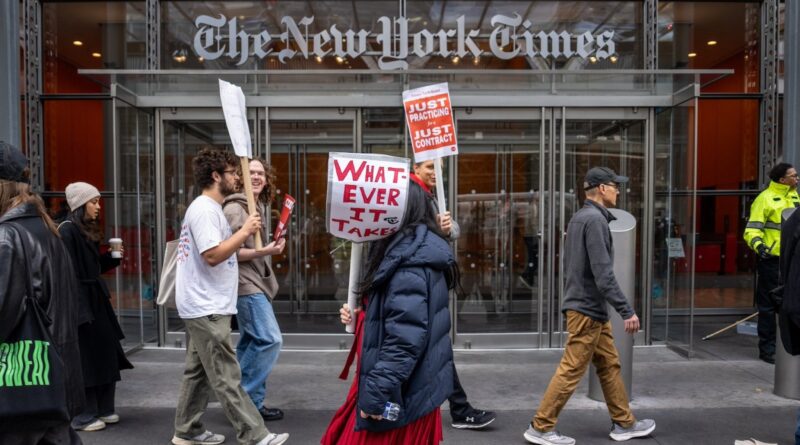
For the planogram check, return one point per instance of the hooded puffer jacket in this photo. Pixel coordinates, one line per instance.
(406, 355)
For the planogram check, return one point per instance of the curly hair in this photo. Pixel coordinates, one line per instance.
(208, 161)
(779, 171)
(267, 195)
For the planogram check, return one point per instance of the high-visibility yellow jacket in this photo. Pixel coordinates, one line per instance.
(764, 225)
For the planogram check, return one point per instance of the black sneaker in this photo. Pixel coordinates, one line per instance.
(270, 413)
(767, 358)
(474, 420)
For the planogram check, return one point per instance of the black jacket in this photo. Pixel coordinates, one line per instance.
(790, 275)
(53, 279)
(589, 266)
(406, 354)
(99, 333)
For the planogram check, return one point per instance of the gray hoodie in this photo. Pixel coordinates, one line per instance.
(589, 266)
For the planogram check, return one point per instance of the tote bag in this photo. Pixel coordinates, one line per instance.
(32, 382)
(166, 285)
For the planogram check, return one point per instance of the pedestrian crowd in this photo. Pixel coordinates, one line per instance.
(61, 356)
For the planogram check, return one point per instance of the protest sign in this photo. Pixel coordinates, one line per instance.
(235, 111)
(286, 213)
(433, 134)
(366, 202)
(366, 195)
(430, 122)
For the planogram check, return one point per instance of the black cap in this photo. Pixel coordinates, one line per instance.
(602, 175)
(13, 164)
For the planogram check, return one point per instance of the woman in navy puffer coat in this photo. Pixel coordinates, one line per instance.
(406, 354)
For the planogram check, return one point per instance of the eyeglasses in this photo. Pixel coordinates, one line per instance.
(231, 172)
(795, 176)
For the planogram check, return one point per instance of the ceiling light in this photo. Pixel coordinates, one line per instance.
(692, 55)
(318, 59)
(201, 59)
(77, 43)
(712, 42)
(476, 61)
(339, 59)
(613, 59)
(593, 59)
(97, 55)
(455, 60)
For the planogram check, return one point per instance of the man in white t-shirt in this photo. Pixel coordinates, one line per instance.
(205, 294)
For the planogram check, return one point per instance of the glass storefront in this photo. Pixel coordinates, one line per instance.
(542, 90)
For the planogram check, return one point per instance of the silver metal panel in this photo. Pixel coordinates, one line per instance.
(791, 82)
(33, 87)
(769, 88)
(623, 235)
(153, 46)
(9, 76)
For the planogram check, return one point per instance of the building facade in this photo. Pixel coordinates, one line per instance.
(682, 96)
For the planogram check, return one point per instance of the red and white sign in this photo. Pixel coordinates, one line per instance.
(366, 195)
(286, 213)
(430, 122)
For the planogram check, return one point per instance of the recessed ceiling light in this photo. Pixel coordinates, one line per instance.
(712, 42)
(318, 59)
(455, 60)
(692, 55)
(613, 59)
(77, 43)
(97, 55)
(593, 59)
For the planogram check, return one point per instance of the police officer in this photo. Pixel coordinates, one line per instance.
(763, 235)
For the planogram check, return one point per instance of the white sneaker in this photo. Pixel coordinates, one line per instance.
(274, 439)
(639, 429)
(548, 438)
(207, 438)
(97, 425)
(111, 418)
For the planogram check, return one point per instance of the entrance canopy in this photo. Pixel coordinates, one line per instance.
(369, 88)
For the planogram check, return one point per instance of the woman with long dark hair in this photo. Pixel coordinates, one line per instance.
(34, 258)
(402, 338)
(99, 332)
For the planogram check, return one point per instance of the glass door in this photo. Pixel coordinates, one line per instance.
(518, 181)
(313, 271)
(497, 196)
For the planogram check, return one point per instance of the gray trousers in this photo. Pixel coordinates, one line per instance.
(211, 366)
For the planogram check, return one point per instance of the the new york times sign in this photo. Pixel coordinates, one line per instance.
(511, 36)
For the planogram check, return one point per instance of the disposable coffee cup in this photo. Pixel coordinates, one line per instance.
(116, 247)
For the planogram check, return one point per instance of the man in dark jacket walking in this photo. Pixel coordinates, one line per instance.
(590, 285)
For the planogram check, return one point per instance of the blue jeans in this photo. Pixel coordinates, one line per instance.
(259, 343)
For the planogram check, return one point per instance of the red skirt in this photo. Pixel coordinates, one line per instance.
(426, 430)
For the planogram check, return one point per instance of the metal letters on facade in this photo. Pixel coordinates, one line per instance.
(511, 37)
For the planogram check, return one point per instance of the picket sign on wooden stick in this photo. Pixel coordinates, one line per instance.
(366, 202)
(429, 117)
(235, 111)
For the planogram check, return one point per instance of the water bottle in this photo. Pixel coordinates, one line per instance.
(391, 411)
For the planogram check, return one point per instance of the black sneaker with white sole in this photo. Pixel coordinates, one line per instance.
(475, 419)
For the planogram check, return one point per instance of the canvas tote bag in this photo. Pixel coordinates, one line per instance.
(166, 285)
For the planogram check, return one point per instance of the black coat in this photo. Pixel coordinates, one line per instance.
(99, 332)
(790, 275)
(406, 354)
(53, 279)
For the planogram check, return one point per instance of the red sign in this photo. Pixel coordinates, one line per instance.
(430, 122)
(286, 213)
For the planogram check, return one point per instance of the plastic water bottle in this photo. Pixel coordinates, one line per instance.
(391, 411)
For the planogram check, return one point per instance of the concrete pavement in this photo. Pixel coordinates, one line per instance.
(708, 400)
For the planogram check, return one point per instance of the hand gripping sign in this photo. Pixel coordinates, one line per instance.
(430, 123)
(366, 202)
(235, 111)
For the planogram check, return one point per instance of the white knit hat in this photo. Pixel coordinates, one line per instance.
(79, 193)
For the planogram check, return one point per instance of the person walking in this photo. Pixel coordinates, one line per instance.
(259, 334)
(99, 332)
(763, 235)
(29, 241)
(206, 281)
(589, 285)
(462, 414)
(402, 337)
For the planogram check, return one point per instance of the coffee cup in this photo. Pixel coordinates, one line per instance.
(116, 247)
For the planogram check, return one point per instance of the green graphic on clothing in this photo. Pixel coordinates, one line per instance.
(24, 363)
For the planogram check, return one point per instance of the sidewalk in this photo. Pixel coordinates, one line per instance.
(706, 401)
